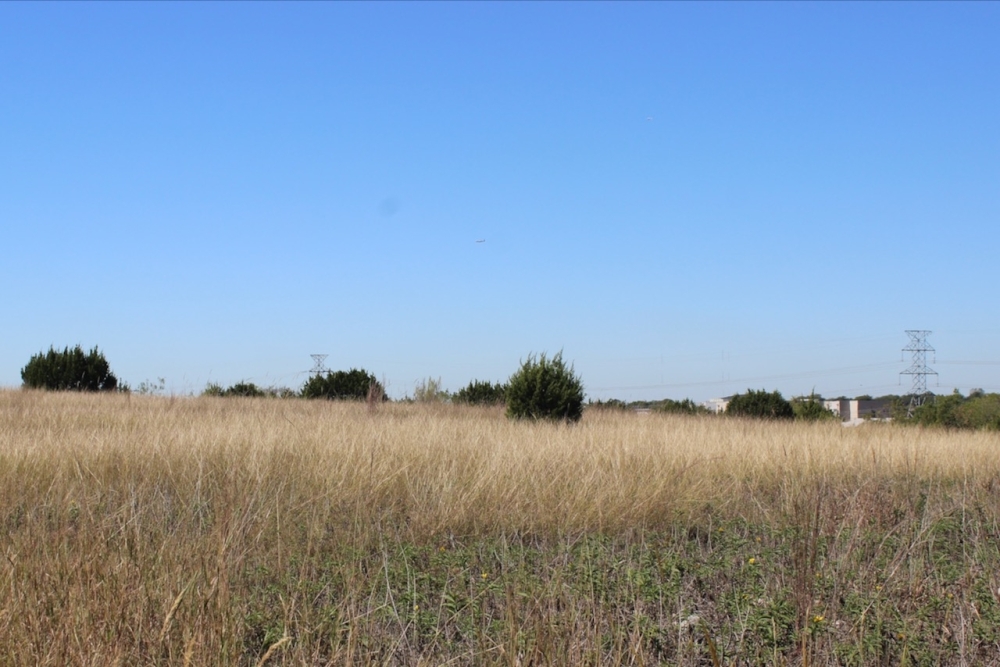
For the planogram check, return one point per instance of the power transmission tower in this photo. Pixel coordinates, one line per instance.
(318, 366)
(918, 347)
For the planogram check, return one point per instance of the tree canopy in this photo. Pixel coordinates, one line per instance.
(69, 370)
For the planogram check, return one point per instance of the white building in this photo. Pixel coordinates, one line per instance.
(853, 411)
(717, 405)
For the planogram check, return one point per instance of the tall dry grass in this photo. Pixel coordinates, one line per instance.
(139, 530)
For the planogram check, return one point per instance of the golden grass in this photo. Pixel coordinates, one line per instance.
(447, 468)
(130, 522)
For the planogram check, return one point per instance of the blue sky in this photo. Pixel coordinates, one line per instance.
(686, 199)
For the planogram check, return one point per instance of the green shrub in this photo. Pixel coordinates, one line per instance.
(213, 389)
(981, 411)
(245, 389)
(612, 404)
(354, 385)
(545, 389)
(482, 393)
(760, 405)
(811, 408)
(977, 411)
(69, 370)
(430, 391)
(682, 407)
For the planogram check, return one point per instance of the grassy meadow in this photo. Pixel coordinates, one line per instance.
(144, 530)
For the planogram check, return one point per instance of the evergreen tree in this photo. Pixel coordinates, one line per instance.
(69, 370)
(545, 389)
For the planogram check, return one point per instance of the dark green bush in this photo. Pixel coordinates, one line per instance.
(245, 389)
(69, 370)
(545, 389)
(482, 393)
(354, 385)
(761, 405)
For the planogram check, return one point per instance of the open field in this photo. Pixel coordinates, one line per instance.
(141, 530)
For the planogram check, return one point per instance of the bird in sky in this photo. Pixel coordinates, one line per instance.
(649, 118)
(480, 240)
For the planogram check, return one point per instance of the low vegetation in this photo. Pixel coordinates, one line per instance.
(479, 392)
(244, 531)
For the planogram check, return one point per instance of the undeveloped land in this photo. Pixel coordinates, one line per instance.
(145, 530)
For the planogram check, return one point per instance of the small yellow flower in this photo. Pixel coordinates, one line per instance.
(758, 539)
(818, 618)
(485, 576)
(416, 607)
(442, 548)
(752, 561)
(878, 587)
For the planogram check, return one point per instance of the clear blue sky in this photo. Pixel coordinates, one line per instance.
(687, 199)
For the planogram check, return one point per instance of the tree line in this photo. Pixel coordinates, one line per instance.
(541, 388)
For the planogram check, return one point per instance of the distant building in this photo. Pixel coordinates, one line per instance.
(853, 411)
(717, 405)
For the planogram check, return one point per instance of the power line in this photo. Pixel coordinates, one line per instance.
(787, 376)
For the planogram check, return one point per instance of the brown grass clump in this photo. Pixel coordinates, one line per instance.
(142, 530)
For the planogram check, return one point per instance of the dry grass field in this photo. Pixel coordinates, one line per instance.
(206, 531)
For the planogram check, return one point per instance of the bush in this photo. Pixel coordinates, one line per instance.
(430, 391)
(245, 389)
(761, 405)
(612, 404)
(545, 389)
(811, 408)
(248, 389)
(482, 393)
(69, 370)
(213, 389)
(979, 411)
(682, 407)
(353, 385)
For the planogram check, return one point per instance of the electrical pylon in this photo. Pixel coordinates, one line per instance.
(918, 347)
(318, 366)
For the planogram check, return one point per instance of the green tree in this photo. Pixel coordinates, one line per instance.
(760, 405)
(353, 385)
(811, 408)
(69, 370)
(977, 411)
(940, 411)
(981, 410)
(482, 393)
(545, 388)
